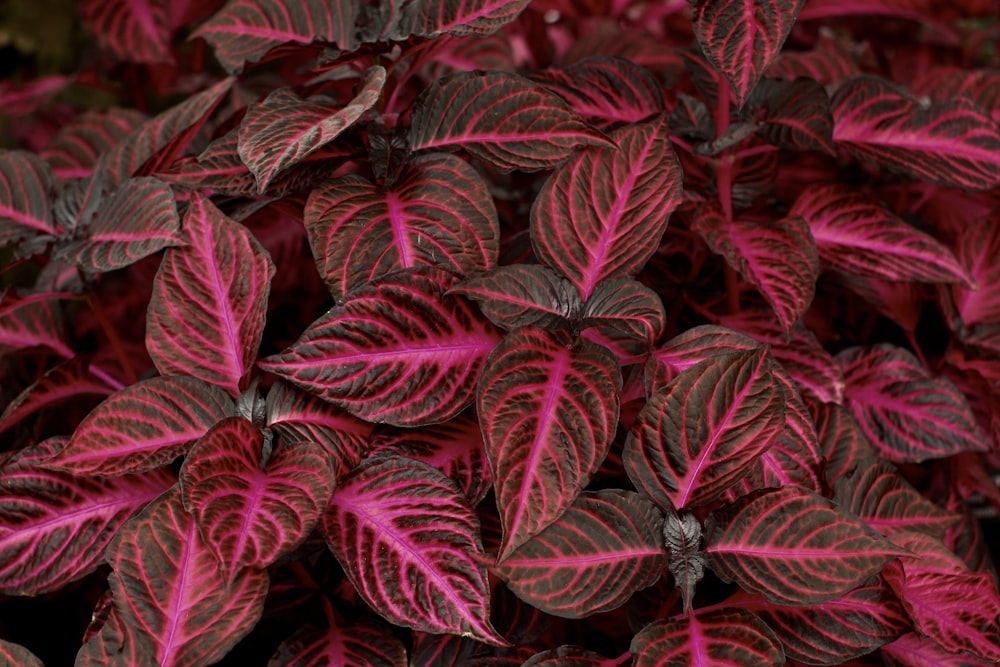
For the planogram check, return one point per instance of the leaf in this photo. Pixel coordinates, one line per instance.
(409, 542)
(25, 183)
(114, 644)
(206, 314)
(778, 258)
(793, 546)
(218, 167)
(977, 250)
(521, 295)
(690, 348)
(627, 307)
(601, 215)
(139, 219)
(699, 435)
(952, 144)
(438, 212)
(501, 118)
(169, 591)
(133, 31)
(842, 442)
(76, 147)
(143, 426)
(723, 638)
(398, 351)
(15, 654)
(906, 413)
(793, 114)
(945, 82)
(252, 508)
(548, 411)
(284, 129)
(56, 525)
(604, 548)
(30, 321)
(682, 535)
(794, 457)
(855, 234)
(356, 645)
(741, 39)
(566, 656)
(462, 17)
(915, 650)
(245, 30)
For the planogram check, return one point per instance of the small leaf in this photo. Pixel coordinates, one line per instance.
(461, 17)
(722, 638)
(566, 656)
(30, 321)
(682, 535)
(521, 295)
(690, 348)
(25, 183)
(625, 306)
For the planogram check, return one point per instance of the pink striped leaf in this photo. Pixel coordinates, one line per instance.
(605, 547)
(25, 184)
(143, 426)
(946, 82)
(252, 506)
(793, 546)
(699, 435)
(245, 30)
(602, 214)
(136, 31)
(779, 258)
(15, 654)
(30, 321)
(842, 441)
(501, 118)
(437, 212)
(398, 351)
(521, 295)
(409, 541)
(627, 307)
(357, 645)
(548, 411)
(460, 17)
(952, 143)
(857, 235)
(114, 644)
(206, 314)
(723, 638)
(76, 147)
(906, 413)
(916, 10)
(218, 168)
(828, 62)
(567, 656)
(793, 114)
(284, 129)
(978, 252)
(169, 590)
(56, 525)
(741, 39)
(690, 348)
(23, 98)
(916, 650)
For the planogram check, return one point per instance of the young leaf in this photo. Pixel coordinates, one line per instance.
(548, 412)
(601, 215)
(398, 351)
(409, 542)
(502, 118)
(682, 535)
(723, 638)
(793, 546)
(206, 315)
(357, 645)
(793, 114)
(135, 32)
(25, 183)
(438, 212)
(627, 307)
(522, 295)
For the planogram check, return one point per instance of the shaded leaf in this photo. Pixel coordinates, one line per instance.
(690, 348)
(627, 307)
(521, 295)
(30, 321)
(793, 114)
(566, 656)
(461, 17)
(842, 441)
(978, 251)
(357, 645)
(726, 637)
(78, 144)
(25, 183)
(135, 31)
(15, 654)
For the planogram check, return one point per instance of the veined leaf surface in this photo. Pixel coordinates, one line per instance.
(25, 183)
(726, 638)
(625, 307)
(462, 17)
(521, 295)
(15, 654)
(357, 645)
(78, 144)
(690, 348)
(136, 31)
(978, 250)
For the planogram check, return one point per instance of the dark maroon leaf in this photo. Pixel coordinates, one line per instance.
(461, 17)
(601, 215)
(915, 650)
(398, 351)
(15, 654)
(25, 183)
(502, 118)
(605, 547)
(548, 411)
(625, 306)
(114, 644)
(206, 315)
(723, 638)
(438, 212)
(31, 320)
(841, 439)
(358, 645)
(978, 250)
(946, 82)
(521, 295)
(793, 546)
(682, 535)
(795, 456)
(218, 168)
(409, 542)
(690, 349)
(75, 148)
(135, 31)
(566, 656)
(793, 114)
(700, 434)
(829, 62)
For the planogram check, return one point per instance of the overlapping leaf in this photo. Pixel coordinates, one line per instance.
(30, 321)
(409, 542)
(78, 144)
(566, 656)
(627, 307)
(725, 637)
(690, 348)
(206, 315)
(218, 167)
(438, 212)
(945, 82)
(841, 439)
(548, 411)
(460, 17)
(682, 536)
(521, 295)
(978, 251)
(25, 183)
(793, 114)
(134, 31)
(916, 650)
(358, 645)
(114, 644)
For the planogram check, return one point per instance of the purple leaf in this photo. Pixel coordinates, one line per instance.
(700, 434)
(793, 114)
(30, 321)
(567, 656)
(502, 118)
(627, 307)
(978, 250)
(548, 412)
(135, 31)
(438, 212)
(252, 508)
(462, 17)
(15, 654)
(690, 349)
(945, 83)
(841, 439)
(409, 542)
(144, 426)
(169, 590)
(521, 295)
(25, 183)
(604, 548)
(398, 351)
(206, 315)
(722, 638)
(350, 646)
(793, 546)
(601, 215)
(284, 129)
(76, 147)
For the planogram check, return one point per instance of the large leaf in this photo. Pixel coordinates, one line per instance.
(143, 426)
(857, 235)
(358, 645)
(284, 129)
(502, 118)
(793, 546)
(700, 434)
(25, 183)
(55, 525)
(135, 31)
(604, 548)
(409, 542)
(253, 508)
(548, 411)
(952, 143)
(437, 212)
(206, 315)
(906, 413)
(741, 39)
(398, 351)
(602, 214)
(723, 638)
(169, 590)
(521, 295)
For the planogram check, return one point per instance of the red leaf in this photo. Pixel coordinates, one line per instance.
(357, 645)
(31, 321)
(136, 31)
(793, 114)
(722, 638)
(15, 654)
(915, 650)
(945, 83)
(626, 307)
(521, 295)
(690, 349)
(841, 439)
(25, 183)
(462, 17)
(76, 147)
(978, 251)
(566, 656)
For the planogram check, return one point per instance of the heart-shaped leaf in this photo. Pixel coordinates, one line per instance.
(723, 638)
